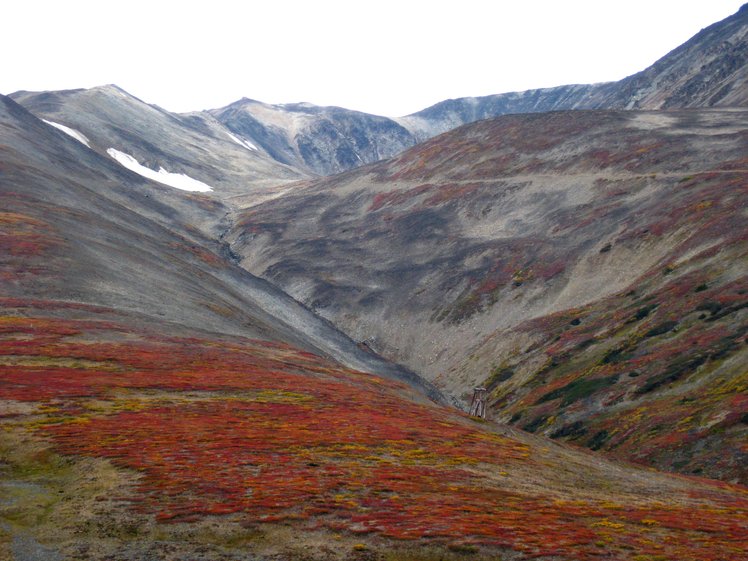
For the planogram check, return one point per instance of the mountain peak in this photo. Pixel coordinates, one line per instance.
(111, 88)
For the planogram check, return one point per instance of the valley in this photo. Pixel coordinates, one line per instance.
(253, 332)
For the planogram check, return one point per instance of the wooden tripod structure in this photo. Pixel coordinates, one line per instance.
(478, 404)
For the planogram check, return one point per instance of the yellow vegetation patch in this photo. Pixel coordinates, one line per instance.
(8, 219)
(608, 524)
(58, 362)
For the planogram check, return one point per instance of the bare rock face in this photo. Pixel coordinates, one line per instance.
(709, 70)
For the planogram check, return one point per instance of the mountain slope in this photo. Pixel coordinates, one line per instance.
(452, 113)
(709, 70)
(248, 150)
(130, 444)
(322, 140)
(157, 402)
(466, 237)
(195, 145)
(80, 229)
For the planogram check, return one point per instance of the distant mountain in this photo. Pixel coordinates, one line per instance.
(600, 255)
(452, 113)
(321, 140)
(194, 145)
(249, 149)
(709, 70)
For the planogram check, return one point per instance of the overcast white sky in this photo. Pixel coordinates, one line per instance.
(385, 57)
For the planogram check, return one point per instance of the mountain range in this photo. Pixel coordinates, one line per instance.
(253, 332)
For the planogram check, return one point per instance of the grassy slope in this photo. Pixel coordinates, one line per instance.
(655, 373)
(192, 446)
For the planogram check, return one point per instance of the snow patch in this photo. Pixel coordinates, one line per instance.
(177, 180)
(242, 142)
(80, 137)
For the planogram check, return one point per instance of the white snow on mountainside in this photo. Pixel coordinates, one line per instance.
(242, 142)
(80, 137)
(176, 180)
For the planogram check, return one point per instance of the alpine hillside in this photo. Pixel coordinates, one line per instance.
(709, 70)
(158, 402)
(213, 349)
(80, 230)
(441, 257)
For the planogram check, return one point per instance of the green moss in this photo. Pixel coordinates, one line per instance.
(463, 548)
(661, 328)
(453, 552)
(674, 372)
(579, 389)
(598, 440)
(498, 374)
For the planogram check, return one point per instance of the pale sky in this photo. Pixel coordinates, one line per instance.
(384, 57)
